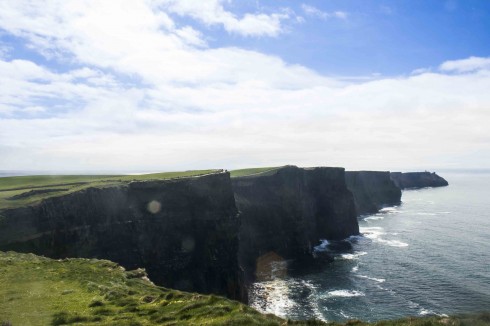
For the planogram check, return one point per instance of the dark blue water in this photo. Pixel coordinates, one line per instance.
(430, 255)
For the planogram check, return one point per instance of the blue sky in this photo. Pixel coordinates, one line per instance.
(169, 85)
(386, 37)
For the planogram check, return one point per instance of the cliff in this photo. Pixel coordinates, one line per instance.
(287, 211)
(372, 190)
(417, 180)
(183, 231)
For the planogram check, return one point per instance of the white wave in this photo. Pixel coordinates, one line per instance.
(424, 312)
(351, 256)
(345, 315)
(372, 232)
(379, 280)
(388, 210)
(322, 246)
(272, 297)
(374, 218)
(355, 269)
(354, 238)
(375, 233)
(393, 243)
(345, 293)
(370, 228)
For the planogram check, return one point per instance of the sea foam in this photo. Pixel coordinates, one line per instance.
(351, 256)
(379, 280)
(345, 293)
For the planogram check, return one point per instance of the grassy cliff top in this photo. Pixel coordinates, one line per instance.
(41, 291)
(27, 190)
(251, 171)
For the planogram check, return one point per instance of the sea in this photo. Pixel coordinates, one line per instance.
(428, 256)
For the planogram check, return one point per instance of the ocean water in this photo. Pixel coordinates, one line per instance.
(430, 255)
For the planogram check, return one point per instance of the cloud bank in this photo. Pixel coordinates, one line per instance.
(132, 89)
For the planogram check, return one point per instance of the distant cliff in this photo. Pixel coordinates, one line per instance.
(286, 212)
(372, 190)
(417, 180)
(183, 231)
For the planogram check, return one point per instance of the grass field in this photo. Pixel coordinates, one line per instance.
(27, 190)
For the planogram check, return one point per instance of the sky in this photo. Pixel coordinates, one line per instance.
(170, 85)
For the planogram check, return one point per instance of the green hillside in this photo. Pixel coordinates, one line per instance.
(41, 291)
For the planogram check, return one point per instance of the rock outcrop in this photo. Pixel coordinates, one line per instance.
(184, 232)
(372, 190)
(286, 212)
(414, 180)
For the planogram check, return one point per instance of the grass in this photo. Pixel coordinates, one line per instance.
(251, 171)
(36, 290)
(28, 190)
(40, 291)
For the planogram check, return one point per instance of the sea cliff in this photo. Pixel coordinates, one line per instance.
(415, 180)
(372, 190)
(184, 232)
(287, 211)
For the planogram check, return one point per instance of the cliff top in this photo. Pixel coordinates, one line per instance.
(27, 190)
(270, 170)
(252, 171)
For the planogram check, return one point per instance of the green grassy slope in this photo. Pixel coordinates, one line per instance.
(40, 291)
(27, 190)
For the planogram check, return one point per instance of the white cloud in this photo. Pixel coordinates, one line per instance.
(466, 65)
(149, 94)
(212, 12)
(313, 11)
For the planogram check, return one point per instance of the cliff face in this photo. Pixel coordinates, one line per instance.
(183, 231)
(417, 180)
(286, 212)
(372, 190)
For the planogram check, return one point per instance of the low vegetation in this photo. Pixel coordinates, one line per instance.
(28, 190)
(41, 291)
(251, 171)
